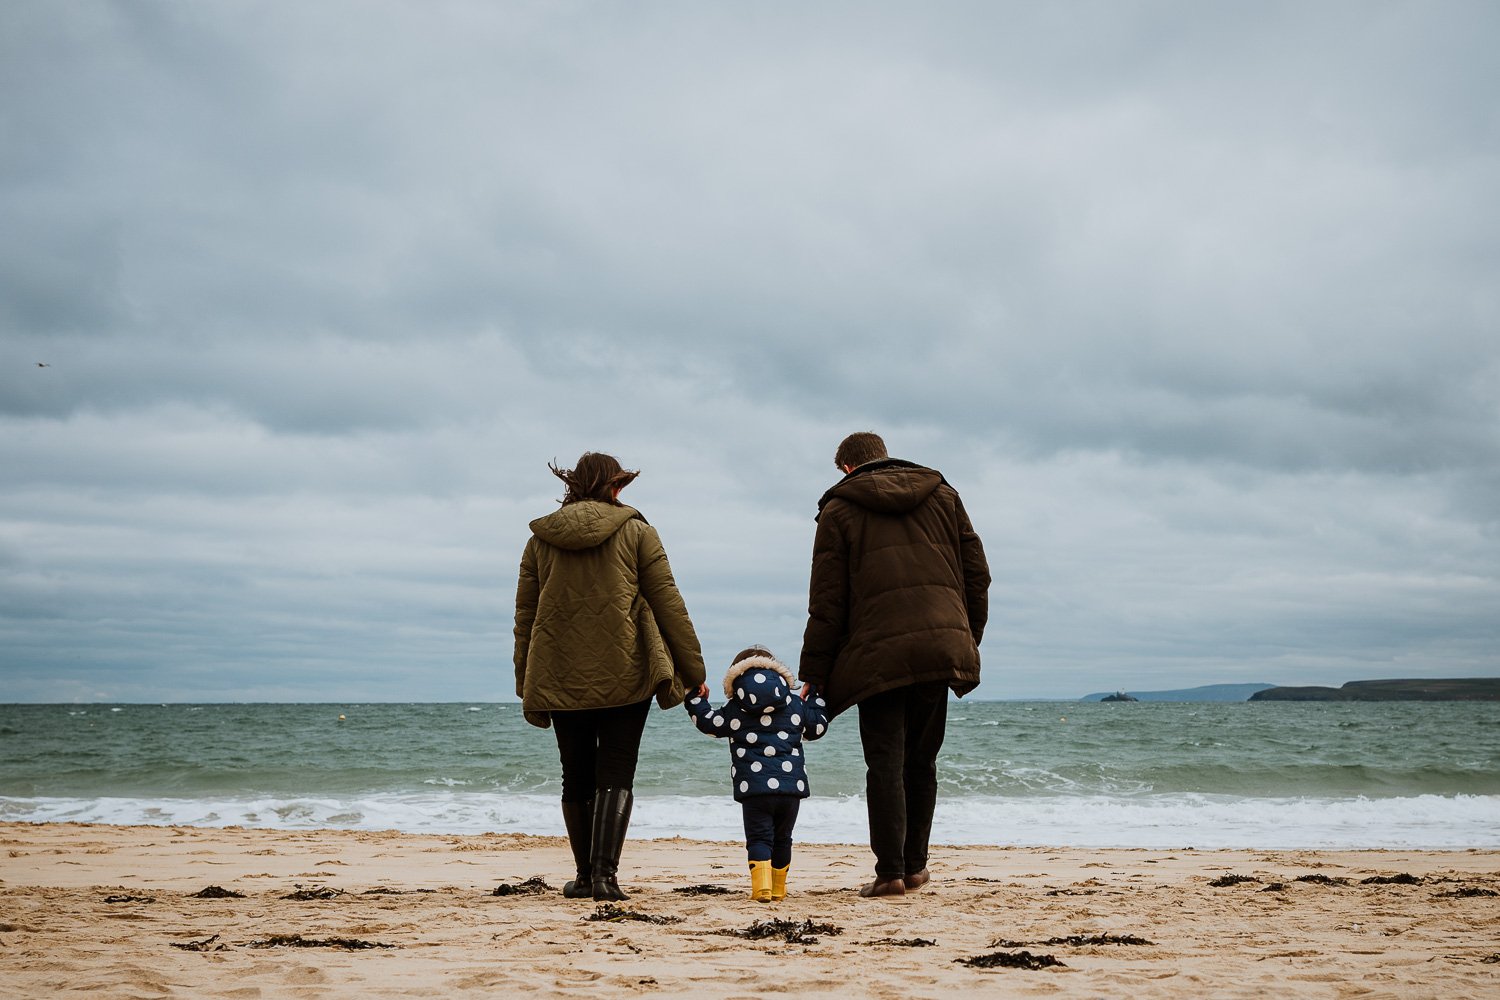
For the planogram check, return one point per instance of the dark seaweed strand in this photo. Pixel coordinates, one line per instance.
(1011, 960)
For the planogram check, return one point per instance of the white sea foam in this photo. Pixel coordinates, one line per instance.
(1164, 821)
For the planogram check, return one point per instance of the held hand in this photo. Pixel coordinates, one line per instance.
(805, 689)
(702, 691)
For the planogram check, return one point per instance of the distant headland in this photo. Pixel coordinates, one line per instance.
(1208, 692)
(1458, 689)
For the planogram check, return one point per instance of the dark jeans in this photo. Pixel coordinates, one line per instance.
(768, 827)
(599, 747)
(902, 732)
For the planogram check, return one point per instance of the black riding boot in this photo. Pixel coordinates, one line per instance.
(611, 820)
(578, 817)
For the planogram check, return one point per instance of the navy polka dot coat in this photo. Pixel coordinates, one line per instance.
(765, 722)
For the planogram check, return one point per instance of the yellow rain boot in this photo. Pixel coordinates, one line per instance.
(778, 882)
(760, 881)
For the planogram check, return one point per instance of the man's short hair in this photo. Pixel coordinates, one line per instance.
(859, 448)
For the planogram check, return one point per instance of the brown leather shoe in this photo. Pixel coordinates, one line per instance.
(884, 887)
(917, 880)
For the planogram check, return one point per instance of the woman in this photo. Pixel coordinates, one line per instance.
(600, 630)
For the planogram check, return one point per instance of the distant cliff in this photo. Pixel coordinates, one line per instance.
(1208, 692)
(1460, 689)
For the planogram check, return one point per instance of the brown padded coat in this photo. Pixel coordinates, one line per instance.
(900, 586)
(599, 621)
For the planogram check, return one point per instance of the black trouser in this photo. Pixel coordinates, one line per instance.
(599, 747)
(768, 827)
(902, 732)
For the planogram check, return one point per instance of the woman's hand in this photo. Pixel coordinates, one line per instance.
(702, 691)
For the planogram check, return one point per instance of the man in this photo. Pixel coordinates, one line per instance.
(896, 608)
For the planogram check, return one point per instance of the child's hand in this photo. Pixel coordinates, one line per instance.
(702, 691)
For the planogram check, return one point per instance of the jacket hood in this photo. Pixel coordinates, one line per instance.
(889, 486)
(583, 525)
(760, 684)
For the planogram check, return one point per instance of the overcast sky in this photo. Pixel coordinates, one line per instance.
(1196, 304)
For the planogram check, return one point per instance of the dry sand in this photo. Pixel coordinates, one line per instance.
(105, 911)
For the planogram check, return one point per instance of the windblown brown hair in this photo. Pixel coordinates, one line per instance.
(859, 448)
(596, 476)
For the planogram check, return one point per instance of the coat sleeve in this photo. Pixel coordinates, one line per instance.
(527, 591)
(714, 723)
(827, 602)
(814, 712)
(660, 591)
(976, 574)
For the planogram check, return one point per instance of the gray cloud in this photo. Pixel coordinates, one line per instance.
(1194, 305)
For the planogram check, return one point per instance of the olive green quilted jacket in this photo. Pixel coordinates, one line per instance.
(599, 620)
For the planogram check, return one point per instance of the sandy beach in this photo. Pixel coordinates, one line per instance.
(108, 911)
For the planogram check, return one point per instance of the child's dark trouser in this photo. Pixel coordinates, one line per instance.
(768, 828)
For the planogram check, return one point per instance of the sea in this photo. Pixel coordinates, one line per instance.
(1162, 775)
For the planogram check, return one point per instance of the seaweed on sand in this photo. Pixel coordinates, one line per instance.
(298, 941)
(1010, 960)
(216, 892)
(1469, 892)
(129, 899)
(1079, 940)
(316, 892)
(1402, 879)
(703, 890)
(902, 942)
(1319, 878)
(1227, 880)
(534, 886)
(207, 944)
(791, 931)
(616, 914)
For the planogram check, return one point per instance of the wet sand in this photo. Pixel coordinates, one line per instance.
(108, 911)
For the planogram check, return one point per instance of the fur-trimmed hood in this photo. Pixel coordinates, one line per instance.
(760, 693)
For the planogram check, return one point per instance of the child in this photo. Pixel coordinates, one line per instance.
(765, 721)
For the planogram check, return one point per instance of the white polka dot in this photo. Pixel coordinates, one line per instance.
(781, 735)
(772, 782)
(734, 724)
(770, 751)
(744, 786)
(796, 752)
(739, 751)
(819, 702)
(796, 720)
(760, 678)
(740, 692)
(786, 765)
(776, 691)
(718, 721)
(696, 701)
(820, 729)
(753, 699)
(755, 766)
(749, 737)
(801, 786)
(766, 720)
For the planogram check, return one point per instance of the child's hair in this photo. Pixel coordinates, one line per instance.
(745, 654)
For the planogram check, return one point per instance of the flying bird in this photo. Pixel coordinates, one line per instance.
(43, 364)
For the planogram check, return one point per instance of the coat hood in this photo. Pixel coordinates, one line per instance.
(582, 525)
(760, 683)
(889, 486)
